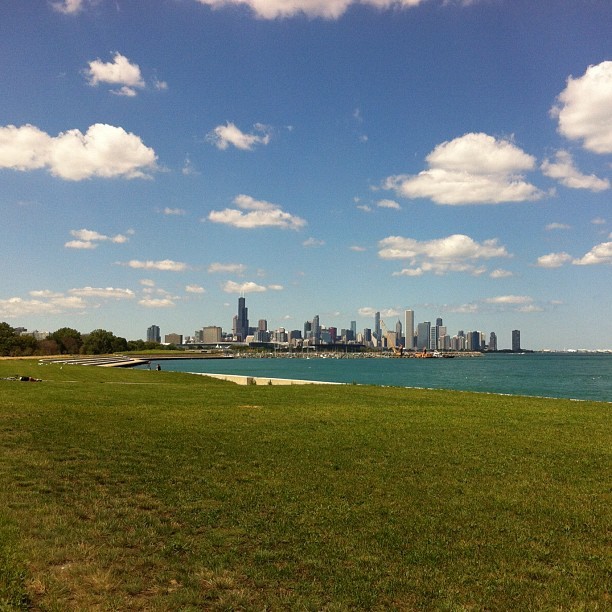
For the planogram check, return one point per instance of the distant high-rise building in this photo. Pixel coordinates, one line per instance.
(409, 328)
(242, 320)
(354, 329)
(377, 329)
(493, 342)
(316, 329)
(307, 329)
(516, 340)
(439, 322)
(173, 338)
(262, 325)
(398, 333)
(211, 334)
(153, 334)
(423, 335)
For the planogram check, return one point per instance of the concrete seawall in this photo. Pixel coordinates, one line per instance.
(263, 380)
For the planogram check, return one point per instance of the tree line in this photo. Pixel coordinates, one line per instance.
(68, 341)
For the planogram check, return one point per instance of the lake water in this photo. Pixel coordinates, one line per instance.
(574, 376)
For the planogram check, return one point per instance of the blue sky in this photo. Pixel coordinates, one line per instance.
(160, 158)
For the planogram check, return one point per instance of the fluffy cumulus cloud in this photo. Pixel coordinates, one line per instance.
(557, 226)
(103, 292)
(500, 273)
(599, 254)
(149, 302)
(327, 9)
(194, 289)
(258, 214)
(553, 260)
(174, 212)
(369, 312)
(119, 72)
(89, 239)
(104, 151)
(584, 108)
(225, 268)
(388, 204)
(229, 134)
(471, 169)
(17, 308)
(564, 170)
(247, 287)
(165, 265)
(455, 253)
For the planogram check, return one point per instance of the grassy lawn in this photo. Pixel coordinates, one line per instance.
(141, 490)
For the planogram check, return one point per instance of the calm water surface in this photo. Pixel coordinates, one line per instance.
(587, 377)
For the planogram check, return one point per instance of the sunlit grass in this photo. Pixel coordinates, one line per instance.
(126, 489)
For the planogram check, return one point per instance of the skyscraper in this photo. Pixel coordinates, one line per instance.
(377, 330)
(242, 320)
(516, 340)
(153, 334)
(409, 328)
(423, 332)
(316, 329)
(493, 342)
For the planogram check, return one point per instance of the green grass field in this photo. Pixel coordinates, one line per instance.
(138, 490)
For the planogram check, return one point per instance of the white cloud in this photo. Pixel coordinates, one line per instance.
(177, 212)
(369, 312)
(17, 308)
(327, 9)
(455, 253)
(357, 249)
(100, 292)
(499, 273)
(313, 242)
(80, 244)
(553, 260)
(104, 151)
(564, 170)
(149, 302)
(584, 108)
(248, 287)
(598, 221)
(87, 239)
(147, 282)
(599, 254)
(471, 169)
(118, 72)
(164, 265)
(226, 268)
(225, 135)
(275, 287)
(261, 214)
(388, 204)
(194, 289)
(557, 226)
(510, 299)
(68, 7)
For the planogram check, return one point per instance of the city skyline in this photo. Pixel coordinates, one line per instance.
(159, 160)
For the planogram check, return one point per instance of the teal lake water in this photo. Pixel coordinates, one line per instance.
(574, 376)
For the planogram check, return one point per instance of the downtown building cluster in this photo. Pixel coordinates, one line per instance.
(424, 336)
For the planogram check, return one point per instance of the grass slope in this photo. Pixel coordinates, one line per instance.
(147, 490)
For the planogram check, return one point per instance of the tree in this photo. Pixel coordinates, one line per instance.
(98, 342)
(7, 339)
(69, 341)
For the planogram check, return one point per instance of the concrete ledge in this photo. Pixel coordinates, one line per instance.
(263, 380)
